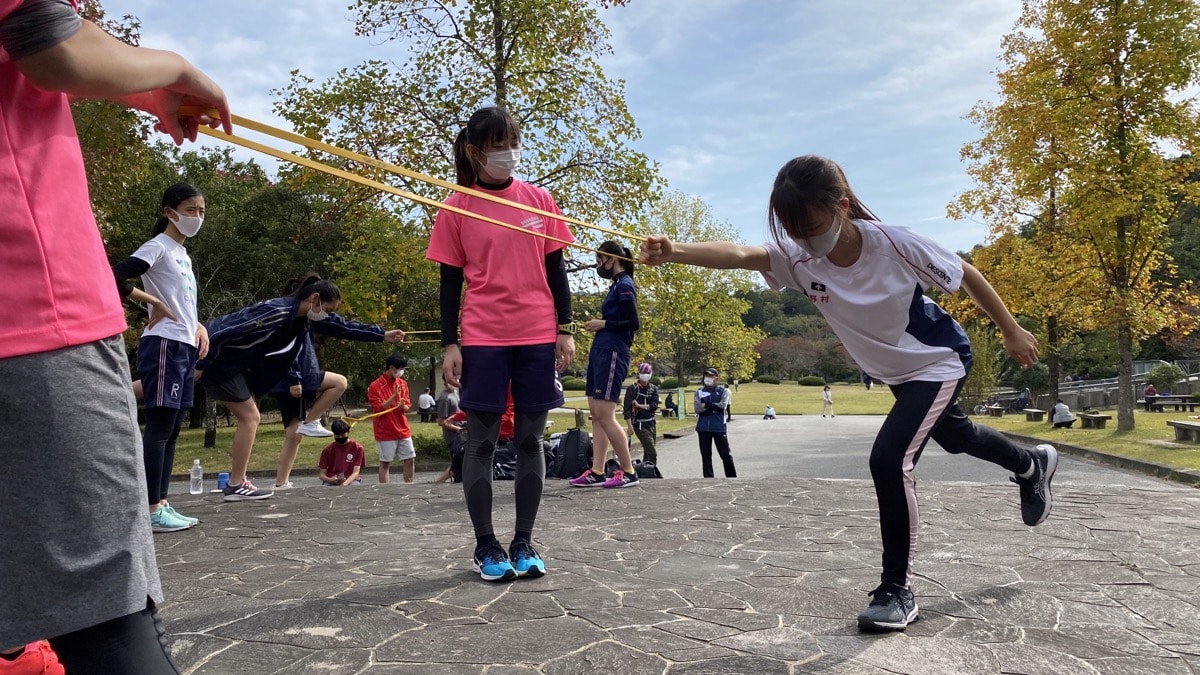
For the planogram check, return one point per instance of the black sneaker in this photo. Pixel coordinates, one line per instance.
(245, 492)
(891, 608)
(1035, 490)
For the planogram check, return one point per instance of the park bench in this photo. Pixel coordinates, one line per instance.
(1093, 420)
(1034, 415)
(1186, 432)
(1181, 402)
(994, 410)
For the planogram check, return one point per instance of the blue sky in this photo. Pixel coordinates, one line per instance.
(724, 91)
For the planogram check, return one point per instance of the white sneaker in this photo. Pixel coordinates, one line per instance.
(313, 429)
(286, 486)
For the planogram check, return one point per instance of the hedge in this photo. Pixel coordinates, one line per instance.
(811, 381)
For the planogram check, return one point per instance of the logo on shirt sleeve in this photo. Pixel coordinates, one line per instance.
(937, 272)
(818, 286)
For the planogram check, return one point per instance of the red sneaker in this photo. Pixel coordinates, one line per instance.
(38, 659)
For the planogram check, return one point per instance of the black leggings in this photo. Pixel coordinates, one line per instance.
(483, 431)
(924, 410)
(158, 449)
(134, 643)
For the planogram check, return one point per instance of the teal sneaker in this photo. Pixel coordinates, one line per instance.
(491, 562)
(526, 560)
(187, 519)
(162, 521)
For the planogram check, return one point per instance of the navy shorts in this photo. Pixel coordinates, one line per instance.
(168, 371)
(233, 390)
(606, 371)
(487, 372)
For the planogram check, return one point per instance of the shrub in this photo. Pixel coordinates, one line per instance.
(1165, 376)
(669, 383)
(767, 379)
(656, 380)
(811, 381)
(574, 384)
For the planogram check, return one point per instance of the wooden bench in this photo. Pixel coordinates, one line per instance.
(1093, 420)
(994, 410)
(1181, 402)
(1186, 432)
(1034, 415)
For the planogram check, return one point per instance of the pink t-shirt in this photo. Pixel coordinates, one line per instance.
(508, 300)
(59, 290)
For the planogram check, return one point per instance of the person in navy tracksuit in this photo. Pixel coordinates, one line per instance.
(252, 349)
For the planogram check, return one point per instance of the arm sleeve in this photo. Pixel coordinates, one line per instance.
(450, 301)
(560, 288)
(376, 396)
(339, 326)
(653, 400)
(37, 25)
(125, 270)
(627, 406)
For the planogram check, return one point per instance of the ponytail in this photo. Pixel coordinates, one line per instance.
(614, 249)
(464, 168)
(313, 283)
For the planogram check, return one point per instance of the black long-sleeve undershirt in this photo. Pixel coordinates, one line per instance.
(127, 269)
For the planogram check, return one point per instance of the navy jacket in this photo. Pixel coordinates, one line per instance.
(263, 341)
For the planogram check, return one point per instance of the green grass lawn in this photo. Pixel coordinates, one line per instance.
(1151, 441)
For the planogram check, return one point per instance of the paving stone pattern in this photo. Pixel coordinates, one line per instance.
(684, 577)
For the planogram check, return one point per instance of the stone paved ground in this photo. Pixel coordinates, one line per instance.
(685, 576)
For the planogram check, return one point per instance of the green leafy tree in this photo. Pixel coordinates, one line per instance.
(691, 316)
(1091, 97)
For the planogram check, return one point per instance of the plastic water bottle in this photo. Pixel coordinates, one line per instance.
(197, 478)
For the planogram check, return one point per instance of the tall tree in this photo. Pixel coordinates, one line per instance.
(537, 58)
(692, 317)
(1091, 97)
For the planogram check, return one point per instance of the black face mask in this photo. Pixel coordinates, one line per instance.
(605, 272)
(342, 441)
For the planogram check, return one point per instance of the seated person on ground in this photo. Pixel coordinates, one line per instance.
(1062, 417)
(342, 461)
(769, 414)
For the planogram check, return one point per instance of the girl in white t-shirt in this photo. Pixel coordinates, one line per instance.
(869, 280)
(171, 343)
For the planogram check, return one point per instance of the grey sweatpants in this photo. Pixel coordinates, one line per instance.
(75, 541)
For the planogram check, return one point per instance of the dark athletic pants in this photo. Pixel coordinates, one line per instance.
(483, 431)
(924, 410)
(706, 443)
(134, 643)
(158, 449)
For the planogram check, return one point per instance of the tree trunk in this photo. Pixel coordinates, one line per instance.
(1053, 360)
(1125, 399)
(210, 424)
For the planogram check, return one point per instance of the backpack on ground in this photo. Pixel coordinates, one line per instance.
(504, 461)
(574, 454)
(646, 470)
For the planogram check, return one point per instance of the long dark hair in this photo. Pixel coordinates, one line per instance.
(488, 125)
(613, 248)
(313, 283)
(805, 187)
(172, 197)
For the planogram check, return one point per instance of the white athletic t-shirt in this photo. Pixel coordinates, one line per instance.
(171, 279)
(877, 306)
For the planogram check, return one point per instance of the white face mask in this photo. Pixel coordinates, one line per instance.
(821, 245)
(501, 164)
(399, 372)
(710, 381)
(317, 314)
(644, 377)
(188, 226)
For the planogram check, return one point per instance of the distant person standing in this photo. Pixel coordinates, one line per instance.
(447, 418)
(710, 403)
(640, 408)
(388, 394)
(827, 402)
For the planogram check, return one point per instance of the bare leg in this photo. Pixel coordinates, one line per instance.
(599, 437)
(137, 390)
(384, 474)
(604, 418)
(248, 418)
(332, 388)
(410, 468)
(287, 454)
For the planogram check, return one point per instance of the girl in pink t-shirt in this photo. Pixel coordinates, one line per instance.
(515, 323)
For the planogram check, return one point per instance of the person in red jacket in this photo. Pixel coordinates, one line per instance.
(393, 436)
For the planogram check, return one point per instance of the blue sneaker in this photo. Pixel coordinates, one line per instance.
(492, 564)
(526, 560)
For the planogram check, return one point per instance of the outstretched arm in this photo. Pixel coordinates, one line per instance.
(723, 255)
(93, 64)
(1020, 344)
